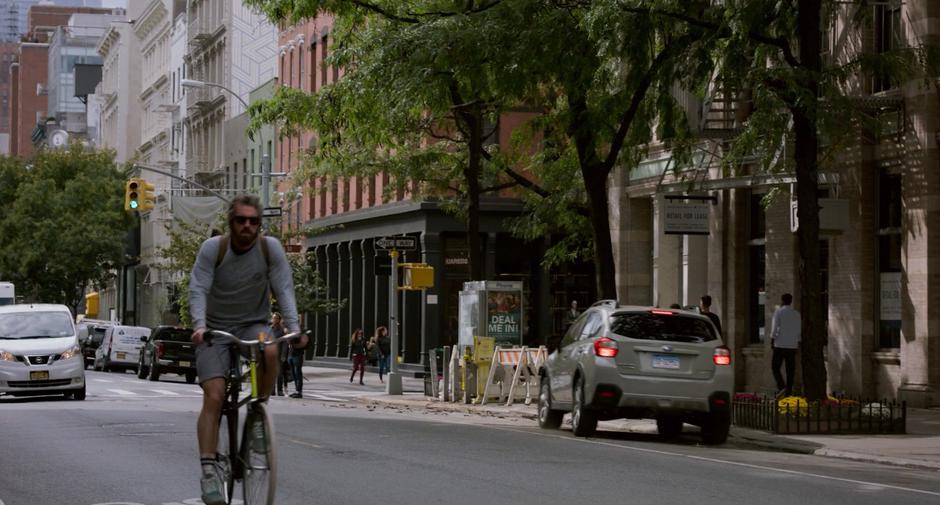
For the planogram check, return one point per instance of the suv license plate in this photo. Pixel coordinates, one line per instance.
(121, 355)
(184, 363)
(670, 361)
(39, 376)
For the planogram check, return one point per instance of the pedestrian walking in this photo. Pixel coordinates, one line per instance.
(705, 306)
(357, 353)
(284, 373)
(384, 350)
(785, 341)
(296, 362)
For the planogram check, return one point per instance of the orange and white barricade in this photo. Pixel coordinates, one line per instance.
(510, 369)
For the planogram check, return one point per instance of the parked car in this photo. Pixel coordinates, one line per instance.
(39, 352)
(90, 334)
(168, 349)
(639, 362)
(120, 348)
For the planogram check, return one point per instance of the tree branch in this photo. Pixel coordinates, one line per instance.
(723, 31)
(639, 94)
(499, 187)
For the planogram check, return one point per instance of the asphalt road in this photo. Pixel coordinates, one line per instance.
(132, 442)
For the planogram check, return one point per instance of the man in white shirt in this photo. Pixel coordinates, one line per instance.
(785, 341)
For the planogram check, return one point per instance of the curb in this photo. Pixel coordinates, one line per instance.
(460, 408)
(874, 458)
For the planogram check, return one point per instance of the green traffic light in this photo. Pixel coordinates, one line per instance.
(133, 204)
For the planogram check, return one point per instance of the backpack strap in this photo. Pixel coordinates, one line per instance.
(223, 248)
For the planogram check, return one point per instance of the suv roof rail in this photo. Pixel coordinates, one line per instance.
(605, 303)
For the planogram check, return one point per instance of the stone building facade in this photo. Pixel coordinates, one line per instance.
(880, 232)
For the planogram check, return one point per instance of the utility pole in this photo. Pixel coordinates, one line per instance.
(393, 387)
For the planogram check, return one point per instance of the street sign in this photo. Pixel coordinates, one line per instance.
(383, 265)
(397, 243)
(271, 212)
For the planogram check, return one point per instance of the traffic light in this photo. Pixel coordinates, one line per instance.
(138, 195)
(147, 198)
(132, 195)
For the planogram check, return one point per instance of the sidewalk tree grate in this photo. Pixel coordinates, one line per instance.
(793, 415)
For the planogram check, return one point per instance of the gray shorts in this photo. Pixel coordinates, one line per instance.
(215, 360)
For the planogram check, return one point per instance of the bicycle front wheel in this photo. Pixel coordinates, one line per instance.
(258, 457)
(228, 437)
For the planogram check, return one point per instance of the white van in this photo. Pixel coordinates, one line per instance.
(120, 348)
(7, 293)
(39, 352)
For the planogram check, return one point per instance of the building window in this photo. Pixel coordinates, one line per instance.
(889, 260)
(323, 44)
(889, 33)
(757, 260)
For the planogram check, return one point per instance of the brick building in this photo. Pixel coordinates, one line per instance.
(29, 74)
(880, 223)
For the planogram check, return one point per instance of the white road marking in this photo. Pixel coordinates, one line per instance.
(123, 392)
(103, 380)
(325, 397)
(722, 461)
(165, 392)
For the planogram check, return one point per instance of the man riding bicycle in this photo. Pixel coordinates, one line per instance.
(229, 291)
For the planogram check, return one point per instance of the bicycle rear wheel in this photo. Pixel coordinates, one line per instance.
(228, 444)
(258, 457)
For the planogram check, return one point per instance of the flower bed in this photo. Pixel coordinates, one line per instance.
(795, 414)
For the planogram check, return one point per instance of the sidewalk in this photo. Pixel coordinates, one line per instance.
(920, 447)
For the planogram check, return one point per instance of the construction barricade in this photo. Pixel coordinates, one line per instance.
(511, 369)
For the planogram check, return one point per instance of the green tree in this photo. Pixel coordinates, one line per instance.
(419, 101)
(63, 223)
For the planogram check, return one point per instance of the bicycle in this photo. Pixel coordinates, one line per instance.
(252, 460)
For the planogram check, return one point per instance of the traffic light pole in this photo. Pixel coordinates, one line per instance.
(393, 386)
(187, 181)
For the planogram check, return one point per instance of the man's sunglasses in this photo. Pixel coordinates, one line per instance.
(254, 220)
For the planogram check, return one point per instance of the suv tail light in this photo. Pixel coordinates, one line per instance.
(722, 355)
(160, 349)
(605, 347)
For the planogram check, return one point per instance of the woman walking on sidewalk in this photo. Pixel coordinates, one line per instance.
(357, 353)
(382, 350)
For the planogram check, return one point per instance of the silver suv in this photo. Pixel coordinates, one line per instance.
(639, 362)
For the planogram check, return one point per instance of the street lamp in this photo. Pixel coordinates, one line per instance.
(265, 158)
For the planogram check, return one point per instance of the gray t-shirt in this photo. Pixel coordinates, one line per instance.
(236, 293)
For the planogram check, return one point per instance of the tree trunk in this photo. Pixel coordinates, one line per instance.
(595, 181)
(594, 176)
(807, 180)
(475, 254)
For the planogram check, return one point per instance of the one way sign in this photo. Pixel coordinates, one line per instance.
(397, 243)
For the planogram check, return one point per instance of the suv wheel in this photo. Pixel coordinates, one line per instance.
(78, 394)
(583, 420)
(715, 428)
(154, 370)
(669, 426)
(548, 419)
(190, 377)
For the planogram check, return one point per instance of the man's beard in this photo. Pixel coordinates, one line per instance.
(244, 239)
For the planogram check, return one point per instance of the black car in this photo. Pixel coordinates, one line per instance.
(168, 349)
(90, 334)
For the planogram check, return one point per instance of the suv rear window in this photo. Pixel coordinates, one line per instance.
(174, 335)
(671, 328)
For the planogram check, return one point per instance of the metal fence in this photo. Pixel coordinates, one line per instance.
(839, 416)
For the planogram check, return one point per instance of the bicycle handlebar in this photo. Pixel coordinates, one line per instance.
(211, 335)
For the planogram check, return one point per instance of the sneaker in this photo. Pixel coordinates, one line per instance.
(212, 488)
(296, 395)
